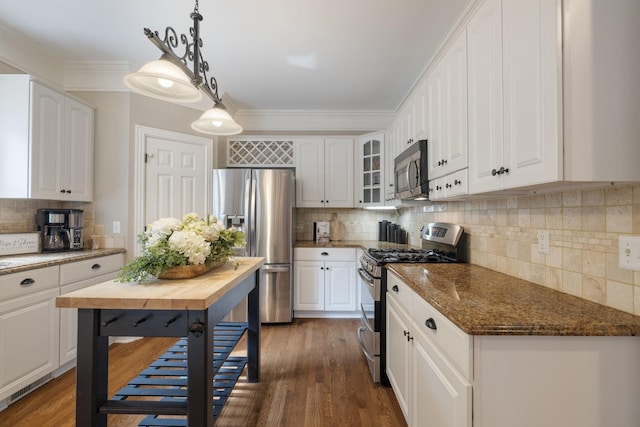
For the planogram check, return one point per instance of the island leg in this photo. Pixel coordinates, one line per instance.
(200, 369)
(253, 331)
(91, 370)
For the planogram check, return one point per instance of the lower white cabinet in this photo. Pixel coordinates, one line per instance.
(324, 280)
(422, 362)
(78, 275)
(36, 338)
(441, 375)
(29, 334)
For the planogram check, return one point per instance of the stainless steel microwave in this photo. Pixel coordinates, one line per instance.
(411, 181)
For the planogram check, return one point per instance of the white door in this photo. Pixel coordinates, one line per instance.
(173, 175)
(338, 172)
(308, 285)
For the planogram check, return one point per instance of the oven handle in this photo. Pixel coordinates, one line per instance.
(364, 276)
(362, 346)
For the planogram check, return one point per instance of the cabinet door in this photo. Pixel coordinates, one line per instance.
(398, 353)
(435, 125)
(309, 285)
(338, 176)
(29, 334)
(69, 324)
(340, 286)
(78, 166)
(420, 111)
(440, 396)
(369, 167)
(454, 70)
(47, 143)
(532, 145)
(309, 153)
(484, 68)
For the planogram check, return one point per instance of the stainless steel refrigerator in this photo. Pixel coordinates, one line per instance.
(261, 202)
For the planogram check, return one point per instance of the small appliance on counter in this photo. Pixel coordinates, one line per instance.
(60, 229)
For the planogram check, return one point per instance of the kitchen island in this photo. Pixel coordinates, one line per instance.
(187, 308)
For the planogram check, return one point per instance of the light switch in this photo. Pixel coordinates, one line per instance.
(629, 252)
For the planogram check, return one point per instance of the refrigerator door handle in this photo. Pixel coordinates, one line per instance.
(275, 269)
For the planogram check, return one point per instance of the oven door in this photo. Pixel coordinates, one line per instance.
(368, 337)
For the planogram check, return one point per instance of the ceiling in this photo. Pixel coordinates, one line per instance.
(357, 55)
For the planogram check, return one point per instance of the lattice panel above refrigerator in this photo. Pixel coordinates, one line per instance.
(260, 153)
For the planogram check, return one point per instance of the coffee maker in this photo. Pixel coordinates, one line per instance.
(60, 229)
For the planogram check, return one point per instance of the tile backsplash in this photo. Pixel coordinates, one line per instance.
(583, 226)
(18, 216)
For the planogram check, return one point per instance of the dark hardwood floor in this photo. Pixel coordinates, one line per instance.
(312, 374)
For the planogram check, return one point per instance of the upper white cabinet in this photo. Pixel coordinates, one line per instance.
(324, 172)
(446, 112)
(514, 137)
(370, 176)
(48, 142)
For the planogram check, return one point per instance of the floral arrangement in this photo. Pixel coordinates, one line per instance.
(170, 242)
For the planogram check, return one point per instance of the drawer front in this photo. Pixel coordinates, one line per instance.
(401, 291)
(450, 339)
(457, 183)
(28, 282)
(325, 254)
(89, 268)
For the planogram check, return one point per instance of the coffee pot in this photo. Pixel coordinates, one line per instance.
(56, 238)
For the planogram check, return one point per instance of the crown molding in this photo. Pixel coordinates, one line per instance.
(24, 54)
(313, 120)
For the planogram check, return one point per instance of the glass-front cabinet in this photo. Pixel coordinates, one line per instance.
(370, 164)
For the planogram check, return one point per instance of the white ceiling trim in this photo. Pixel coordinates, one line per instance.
(313, 120)
(23, 54)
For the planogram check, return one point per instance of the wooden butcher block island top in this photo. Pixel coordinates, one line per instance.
(196, 293)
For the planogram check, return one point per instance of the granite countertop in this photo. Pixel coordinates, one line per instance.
(17, 263)
(484, 302)
(364, 244)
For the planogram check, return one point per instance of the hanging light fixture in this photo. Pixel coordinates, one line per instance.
(170, 78)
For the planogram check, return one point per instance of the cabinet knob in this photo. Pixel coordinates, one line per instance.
(494, 172)
(96, 267)
(395, 288)
(448, 185)
(457, 182)
(438, 187)
(503, 170)
(69, 191)
(321, 268)
(405, 333)
(430, 323)
(62, 191)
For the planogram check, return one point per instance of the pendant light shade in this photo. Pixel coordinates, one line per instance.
(162, 79)
(216, 121)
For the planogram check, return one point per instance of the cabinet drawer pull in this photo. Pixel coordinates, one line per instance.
(430, 323)
(27, 282)
(325, 254)
(395, 288)
(96, 267)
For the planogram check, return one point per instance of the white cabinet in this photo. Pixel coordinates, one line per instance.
(447, 111)
(454, 185)
(49, 154)
(29, 333)
(78, 275)
(324, 280)
(513, 72)
(428, 361)
(324, 172)
(399, 352)
(370, 176)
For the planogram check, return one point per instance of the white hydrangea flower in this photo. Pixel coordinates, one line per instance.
(191, 245)
(160, 229)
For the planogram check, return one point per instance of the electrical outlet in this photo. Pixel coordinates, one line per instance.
(629, 252)
(116, 227)
(543, 242)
